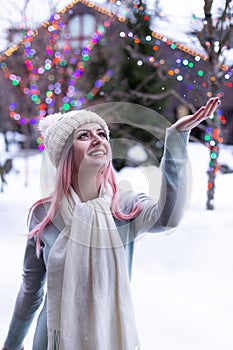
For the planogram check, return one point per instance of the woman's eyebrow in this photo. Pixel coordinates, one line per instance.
(81, 130)
(89, 130)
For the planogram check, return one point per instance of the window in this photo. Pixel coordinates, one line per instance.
(77, 32)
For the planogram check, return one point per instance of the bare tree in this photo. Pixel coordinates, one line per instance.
(214, 35)
(215, 38)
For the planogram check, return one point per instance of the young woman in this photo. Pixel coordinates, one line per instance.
(81, 237)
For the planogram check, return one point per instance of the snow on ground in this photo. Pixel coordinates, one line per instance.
(182, 283)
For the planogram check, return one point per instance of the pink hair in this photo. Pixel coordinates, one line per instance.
(109, 177)
(62, 184)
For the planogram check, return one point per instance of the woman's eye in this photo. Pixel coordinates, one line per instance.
(102, 134)
(83, 136)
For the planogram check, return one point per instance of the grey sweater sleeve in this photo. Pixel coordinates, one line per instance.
(29, 297)
(166, 213)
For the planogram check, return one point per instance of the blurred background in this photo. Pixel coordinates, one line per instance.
(61, 55)
(169, 57)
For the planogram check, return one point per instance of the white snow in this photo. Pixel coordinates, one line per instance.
(182, 283)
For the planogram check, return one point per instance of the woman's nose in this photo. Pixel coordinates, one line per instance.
(96, 139)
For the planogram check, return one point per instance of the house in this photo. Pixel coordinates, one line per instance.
(46, 71)
(50, 69)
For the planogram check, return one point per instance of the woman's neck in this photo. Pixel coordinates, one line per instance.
(87, 187)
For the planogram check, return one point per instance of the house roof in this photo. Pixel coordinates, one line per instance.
(90, 4)
(169, 33)
(185, 34)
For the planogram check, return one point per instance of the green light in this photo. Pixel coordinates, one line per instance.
(34, 97)
(15, 82)
(191, 65)
(63, 63)
(86, 58)
(39, 141)
(207, 137)
(200, 73)
(173, 46)
(213, 155)
(66, 106)
(47, 67)
(101, 28)
(89, 95)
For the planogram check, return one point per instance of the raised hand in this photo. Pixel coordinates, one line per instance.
(191, 121)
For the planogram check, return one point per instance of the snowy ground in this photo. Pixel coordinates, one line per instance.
(182, 283)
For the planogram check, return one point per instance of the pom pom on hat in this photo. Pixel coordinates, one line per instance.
(45, 122)
(56, 129)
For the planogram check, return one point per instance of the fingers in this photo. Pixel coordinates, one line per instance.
(211, 106)
(216, 104)
(205, 111)
(190, 121)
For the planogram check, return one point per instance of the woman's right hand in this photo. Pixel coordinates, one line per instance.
(191, 121)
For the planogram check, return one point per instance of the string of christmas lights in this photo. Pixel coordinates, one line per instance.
(72, 99)
(99, 84)
(170, 72)
(103, 10)
(90, 95)
(59, 60)
(54, 26)
(185, 62)
(212, 137)
(46, 24)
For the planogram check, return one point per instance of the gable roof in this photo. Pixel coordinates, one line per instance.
(180, 41)
(90, 4)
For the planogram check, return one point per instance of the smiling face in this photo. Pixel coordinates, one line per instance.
(92, 150)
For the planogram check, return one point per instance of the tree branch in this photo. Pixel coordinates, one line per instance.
(134, 54)
(145, 81)
(227, 36)
(157, 97)
(222, 17)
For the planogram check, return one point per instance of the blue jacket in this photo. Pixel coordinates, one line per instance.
(160, 216)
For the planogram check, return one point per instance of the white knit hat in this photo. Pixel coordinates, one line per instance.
(56, 129)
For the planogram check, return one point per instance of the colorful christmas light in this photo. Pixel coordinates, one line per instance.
(56, 58)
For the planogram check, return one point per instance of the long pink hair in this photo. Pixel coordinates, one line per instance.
(62, 184)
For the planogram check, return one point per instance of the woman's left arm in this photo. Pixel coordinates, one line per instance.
(166, 214)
